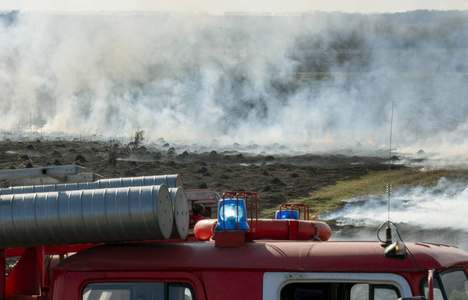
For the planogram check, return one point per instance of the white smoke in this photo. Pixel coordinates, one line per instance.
(310, 81)
(435, 214)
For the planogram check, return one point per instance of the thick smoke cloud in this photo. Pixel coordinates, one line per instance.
(310, 81)
(432, 214)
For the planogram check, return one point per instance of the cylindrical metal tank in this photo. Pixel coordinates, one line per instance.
(85, 216)
(168, 180)
(181, 213)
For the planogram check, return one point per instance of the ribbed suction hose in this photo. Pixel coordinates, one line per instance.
(168, 180)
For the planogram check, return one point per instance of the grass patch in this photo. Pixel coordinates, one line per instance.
(329, 198)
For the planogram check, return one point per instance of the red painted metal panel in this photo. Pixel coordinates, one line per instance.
(230, 238)
(267, 256)
(293, 229)
(27, 297)
(52, 250)
(228, 285)
(3, 273)
(26, 277)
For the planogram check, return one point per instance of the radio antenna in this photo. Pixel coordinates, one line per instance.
(388, 231)
(397, 249)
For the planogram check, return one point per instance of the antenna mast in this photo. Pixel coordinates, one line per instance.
(388, 232)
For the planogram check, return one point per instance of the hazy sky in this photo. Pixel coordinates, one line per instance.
(221, 6)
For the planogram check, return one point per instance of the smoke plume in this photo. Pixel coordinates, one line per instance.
(436, 214)
(307, 81)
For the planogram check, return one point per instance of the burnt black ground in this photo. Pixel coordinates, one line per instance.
(275, 178)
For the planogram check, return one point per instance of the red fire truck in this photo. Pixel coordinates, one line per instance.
(131, 239)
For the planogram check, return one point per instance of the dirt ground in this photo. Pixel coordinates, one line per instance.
(275, 179)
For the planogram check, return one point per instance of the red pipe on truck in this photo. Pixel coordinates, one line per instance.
(277, 229)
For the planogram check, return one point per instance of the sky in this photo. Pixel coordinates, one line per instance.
(222, 6)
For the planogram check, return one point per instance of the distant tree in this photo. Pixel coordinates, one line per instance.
(137, 138)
